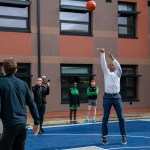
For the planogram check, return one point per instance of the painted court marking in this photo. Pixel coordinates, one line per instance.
(86, 148)
(140, 147)
(144, 119)
(69, 134)
(62, 134)
(123, 147)
(82, 124)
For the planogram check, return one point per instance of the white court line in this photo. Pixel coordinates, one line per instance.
(86, 148)
(132, 136)
(82, 124)
(72, 134)
(135, 136)
(140, 147)
(67, 125)
(144, 119)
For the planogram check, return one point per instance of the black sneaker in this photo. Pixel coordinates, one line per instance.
(42, 130)
(71, 122)
(75, 122)
(124, 140)
(104, 140)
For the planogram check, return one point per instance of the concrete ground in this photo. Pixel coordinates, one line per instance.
(59, 118)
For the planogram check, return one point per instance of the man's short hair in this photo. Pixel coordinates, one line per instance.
(9, 65)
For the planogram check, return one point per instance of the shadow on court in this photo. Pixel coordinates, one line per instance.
(75, 136)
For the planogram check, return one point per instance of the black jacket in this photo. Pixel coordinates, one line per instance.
(40, 97)
(15, 94)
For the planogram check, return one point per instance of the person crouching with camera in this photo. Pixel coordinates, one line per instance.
(40, 90)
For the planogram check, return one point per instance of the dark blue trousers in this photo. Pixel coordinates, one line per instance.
(114, 100)
(13, 138)
(41, 110)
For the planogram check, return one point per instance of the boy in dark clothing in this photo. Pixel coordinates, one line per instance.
(92, 93)
(40, 91)
(74, 102)
(14, 95)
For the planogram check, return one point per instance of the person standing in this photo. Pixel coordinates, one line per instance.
(15, 95)
(40, 90)
(74, 102)
(92, 92)
(112, 96)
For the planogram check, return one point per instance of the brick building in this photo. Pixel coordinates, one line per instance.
(58, 38)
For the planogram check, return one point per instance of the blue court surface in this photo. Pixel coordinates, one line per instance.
(88, 137)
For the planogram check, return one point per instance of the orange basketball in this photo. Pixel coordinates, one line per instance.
(90, 5)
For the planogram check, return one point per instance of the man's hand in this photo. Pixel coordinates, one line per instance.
(111, 55)
(36, 129)
(48, 84)
(102, 50)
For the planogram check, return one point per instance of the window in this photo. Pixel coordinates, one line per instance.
(23, 72)
(127, 16)
(14, 15)
(78, 3)
(148, 3)
(108, 1)
(75, 73)
(129, 83)
(74, 17)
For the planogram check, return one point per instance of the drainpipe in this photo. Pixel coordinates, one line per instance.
(38, 38)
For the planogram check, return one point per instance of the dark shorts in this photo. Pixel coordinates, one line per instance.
(92, 102)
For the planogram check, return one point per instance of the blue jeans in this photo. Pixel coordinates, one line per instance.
(115, 101)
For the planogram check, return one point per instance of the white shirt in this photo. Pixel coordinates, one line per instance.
(111, 79)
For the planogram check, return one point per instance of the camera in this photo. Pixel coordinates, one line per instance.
(44, 80)
(43, 77)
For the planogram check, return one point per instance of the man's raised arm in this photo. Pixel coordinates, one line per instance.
(103, 60)
(116, 63)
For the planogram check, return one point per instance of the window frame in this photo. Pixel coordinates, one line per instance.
(108, 1)
(128, 26)
(148, 3)
(74, 0)
(124, 87)
(88, 75)
(26, 74)
(15, 3)
(27, 19)
(126, 13)
(76, 9)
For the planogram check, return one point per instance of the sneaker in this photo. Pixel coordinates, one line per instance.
(75, 122)
(71, 122)
(124, 140)
(42, 130)
(86, 121)
(94, 121)
(104, 140)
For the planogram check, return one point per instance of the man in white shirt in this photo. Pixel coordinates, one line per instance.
(111, 96)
